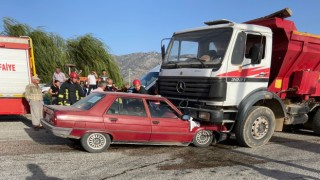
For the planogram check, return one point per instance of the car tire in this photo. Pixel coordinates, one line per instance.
(203, 138)
(316, 122)
(257, 128)
(95, 142)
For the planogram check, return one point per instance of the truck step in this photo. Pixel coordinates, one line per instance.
(228, 121)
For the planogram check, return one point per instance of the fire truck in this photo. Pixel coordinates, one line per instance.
(16, 69)
(253, 77)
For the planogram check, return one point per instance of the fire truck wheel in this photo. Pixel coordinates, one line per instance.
(95, 142)
(257, 128)
(203, 138)
(316, 122)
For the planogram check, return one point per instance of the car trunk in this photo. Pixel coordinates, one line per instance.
(49, 112)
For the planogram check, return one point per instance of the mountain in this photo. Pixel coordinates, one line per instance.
(138, 63)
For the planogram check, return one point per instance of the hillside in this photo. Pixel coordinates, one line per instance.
(138, 63)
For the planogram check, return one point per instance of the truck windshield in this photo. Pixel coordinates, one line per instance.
(198, 49)
(149, 78)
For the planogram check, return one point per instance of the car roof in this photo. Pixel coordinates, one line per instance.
(123, 94)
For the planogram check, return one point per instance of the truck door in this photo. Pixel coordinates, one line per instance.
(248, 68)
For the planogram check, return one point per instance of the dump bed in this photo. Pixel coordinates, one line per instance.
(295, 62)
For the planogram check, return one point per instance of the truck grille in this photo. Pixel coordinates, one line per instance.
(200, 88)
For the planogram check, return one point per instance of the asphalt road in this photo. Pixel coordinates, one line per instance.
(29, 154)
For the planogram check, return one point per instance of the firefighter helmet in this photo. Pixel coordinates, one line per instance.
(73, 75)
(136, 81)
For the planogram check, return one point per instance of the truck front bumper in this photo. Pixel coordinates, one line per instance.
(216, 116)
(57, 131)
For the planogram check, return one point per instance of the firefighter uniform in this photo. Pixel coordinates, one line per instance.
(70, 93)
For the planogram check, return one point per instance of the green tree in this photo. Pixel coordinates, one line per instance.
(51, 51)
(89, 53)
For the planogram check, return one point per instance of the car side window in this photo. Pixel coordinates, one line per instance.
(160, 109)
(127, 106)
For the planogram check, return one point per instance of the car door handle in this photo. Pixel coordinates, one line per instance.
(155, 122)
(113, 119)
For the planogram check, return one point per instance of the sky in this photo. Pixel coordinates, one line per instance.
(130, 26)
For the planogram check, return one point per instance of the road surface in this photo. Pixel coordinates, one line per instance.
(29, 154)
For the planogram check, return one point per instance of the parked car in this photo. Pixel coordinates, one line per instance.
(45, 87)
(101, 119)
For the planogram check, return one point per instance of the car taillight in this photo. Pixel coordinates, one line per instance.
(55, 120)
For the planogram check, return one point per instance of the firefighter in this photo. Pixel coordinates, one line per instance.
(138, 88)
(70, 91)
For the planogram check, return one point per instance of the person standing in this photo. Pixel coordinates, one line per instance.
(138, 88)
(103, 76)
(101, 87)
(110, 85)
(33, 95)
(92, 81)
(70, 91)
(54, 91)
(58, 75)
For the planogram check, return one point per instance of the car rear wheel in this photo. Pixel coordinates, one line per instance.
(203, 138)
(95, 142)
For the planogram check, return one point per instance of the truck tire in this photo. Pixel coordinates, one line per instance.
(316, 122)
(95, 142)
(257, 128)
(203, 138)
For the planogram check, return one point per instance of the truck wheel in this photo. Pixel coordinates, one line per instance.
(316, 122)
(203, 138)
(95, 142)
(257, 128)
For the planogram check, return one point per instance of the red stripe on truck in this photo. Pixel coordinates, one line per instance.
(252, 72)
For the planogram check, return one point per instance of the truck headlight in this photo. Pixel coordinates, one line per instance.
(204, 115)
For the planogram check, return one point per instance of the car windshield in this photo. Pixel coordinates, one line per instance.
(149, 78)
(89, 101)
(198, 49)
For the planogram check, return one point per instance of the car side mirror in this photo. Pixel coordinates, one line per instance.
(185, 117)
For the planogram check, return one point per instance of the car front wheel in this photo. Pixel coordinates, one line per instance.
(95, 142)
(203, 138)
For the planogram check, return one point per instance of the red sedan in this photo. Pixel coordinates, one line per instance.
(104, 118)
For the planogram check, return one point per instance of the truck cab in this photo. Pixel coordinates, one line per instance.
(222, 56)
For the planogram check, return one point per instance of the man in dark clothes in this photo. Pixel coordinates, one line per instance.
(54, 91)
(70, 91)
(138, 88)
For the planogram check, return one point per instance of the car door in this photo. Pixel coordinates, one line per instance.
(127, 120)
(165, 123)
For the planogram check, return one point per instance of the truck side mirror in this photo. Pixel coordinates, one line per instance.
(163, 52)
(239, 49)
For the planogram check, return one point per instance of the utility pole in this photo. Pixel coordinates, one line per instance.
(129, 77)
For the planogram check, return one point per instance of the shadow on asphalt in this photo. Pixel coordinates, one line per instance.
(44, 137)
(277, 174)
(16, 118)
(38, 173)
(298, 144)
